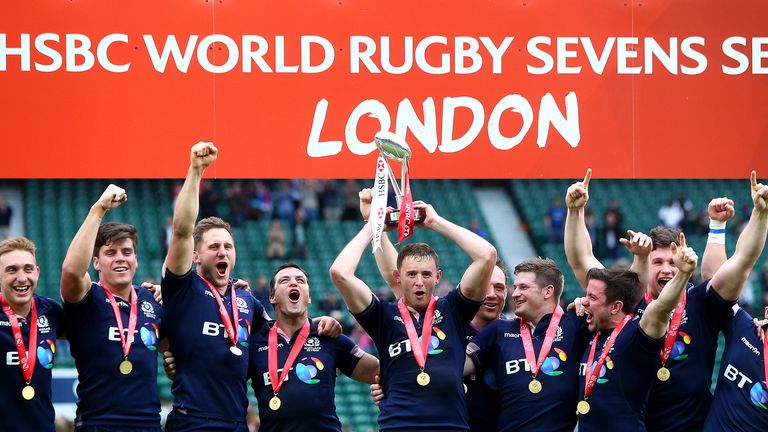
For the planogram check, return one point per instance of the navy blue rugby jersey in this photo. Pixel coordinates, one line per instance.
(482, 397)
(37, 414)
(618, 400)
(307, 395)
(682, 403)
(441, 405)
(741, 397)
(210, 381)
(499, 350)
(105, 396)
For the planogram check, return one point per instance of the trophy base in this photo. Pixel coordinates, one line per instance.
(393, 217)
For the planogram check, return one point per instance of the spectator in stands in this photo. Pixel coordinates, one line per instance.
(554, 221)
(285, 201)
(612, 229)
(300, 233)
(671, 214)
(591, 223)
(764, 283)
(237, 202)
(330, 201)
(351, 201)
(276, 240)
(474, 226)
(259, 200)
(6, 212)
(330, 304)
(309, 190)
(209, 200)
(261, 292)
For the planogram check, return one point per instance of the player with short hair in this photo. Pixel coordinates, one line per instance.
(207, 320)
(422, 380)
(534, 359)
(113, 325)
(680, 396)
(29, 326)
(620, 365)
(293, 367)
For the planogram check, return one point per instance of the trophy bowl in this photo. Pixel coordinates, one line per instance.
(392, 146)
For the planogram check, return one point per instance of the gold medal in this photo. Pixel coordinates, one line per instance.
(422, 379)
(582, 407)
(274, 403)
(663, 374)
(28, 392)
(126, 367)
(534, 386)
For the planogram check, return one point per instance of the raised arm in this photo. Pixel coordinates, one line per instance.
(719, 211)
(578, 245)
(729, 280)
(477, 277)
(386, 257)
(355, 292)
(179, 259)
(75, 280)
(640, 246)
(656, 316)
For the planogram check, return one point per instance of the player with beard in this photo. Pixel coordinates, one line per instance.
(293, 368)
(29, 325)
(481, 392)
(208, 319)
(422, 381)
(619, 367)
(680, 396)
(113, 325)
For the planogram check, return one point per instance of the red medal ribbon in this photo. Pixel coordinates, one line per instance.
(419, 350)
(549, 337)
(406, 222)
(591, 375)
(648, 298)
(765, 357)
(674, 327)
(230, 329)
(125, 342)
(26, 360)
(272, 355)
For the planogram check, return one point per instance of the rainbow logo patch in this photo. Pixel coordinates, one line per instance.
(608, 365)
(243, 333)
(434, 341)
(149, 334)
(307, 372)
(759, 395)
(45, 353)
(551, 364)
(678, 349)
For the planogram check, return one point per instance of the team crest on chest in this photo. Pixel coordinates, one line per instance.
(438, 318)
(148, 309)
(43, 326)
(242, 305)
(312, 344)
(559, 334)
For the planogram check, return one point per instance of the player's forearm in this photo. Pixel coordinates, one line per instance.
(477, 248)
(751, 242)
(80, 251)
(578, 245)
(714, 257)
(386, 262)
(642, 266)
(187, 204)
(656, 315)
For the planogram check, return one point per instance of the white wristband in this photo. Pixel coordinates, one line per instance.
(716, 232)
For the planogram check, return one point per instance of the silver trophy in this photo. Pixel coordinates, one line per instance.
(394, 148)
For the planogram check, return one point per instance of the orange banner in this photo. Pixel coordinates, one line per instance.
(290, 88)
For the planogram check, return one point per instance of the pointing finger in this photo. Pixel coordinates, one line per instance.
(683, 244)
(753, 180)
(587, 177)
